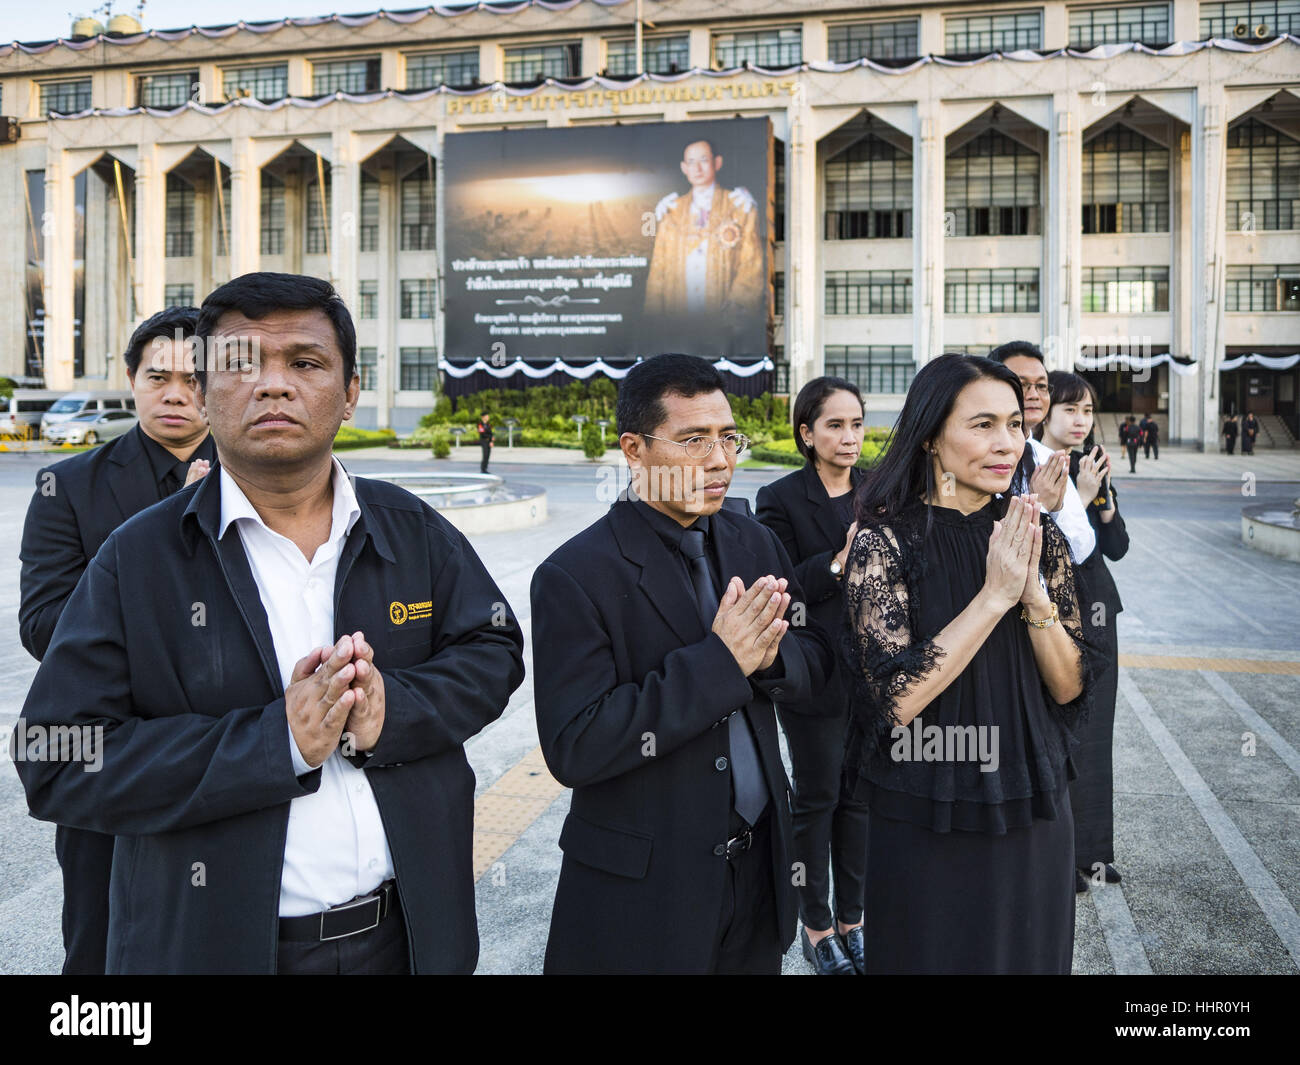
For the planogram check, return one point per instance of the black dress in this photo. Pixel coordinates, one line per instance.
(1091, 793)
(968, 871)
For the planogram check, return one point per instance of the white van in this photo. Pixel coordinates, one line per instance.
(20, 414)
(74, 403)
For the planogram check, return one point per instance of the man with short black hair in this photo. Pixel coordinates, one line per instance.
(285, 666)
(667, 629)
(77, 504)
(1051, 469)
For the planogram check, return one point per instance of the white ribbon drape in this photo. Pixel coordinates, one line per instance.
(1133, 362)
(581, 370)
(1269, 362)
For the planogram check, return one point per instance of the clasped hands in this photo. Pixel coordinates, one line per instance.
(751, 621)
(1011, 568)
(335, 692)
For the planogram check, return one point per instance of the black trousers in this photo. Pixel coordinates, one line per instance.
(382, 951)
(1150, 445)
(86, 859)
(1132, 458)
(487, 453)
(1232, 443)
(824, 821)
(748, 942)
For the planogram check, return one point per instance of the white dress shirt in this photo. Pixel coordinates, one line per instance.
(1073, 515)
(336, 848)
(697, 258)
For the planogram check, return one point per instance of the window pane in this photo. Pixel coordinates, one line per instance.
(1263, 178)
(417, 211)
(272, 215)
(872, 367)
(874, 40)
(543, 61)
(167, 90)
(418, 369)
(65, 97)
(368, 230)
(1147, 23)
(345, 75)
(442, 68)
(763, 48)
(368, 367)
(266, 83)
(417, 298)
(179, 237)
(318, 216)
(992, 33)
(367, 299)
(179, 295)
(1276, 16)
(662, 55)
(868, 191)
(991, 187)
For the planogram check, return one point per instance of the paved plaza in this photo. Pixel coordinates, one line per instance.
(1207, 773)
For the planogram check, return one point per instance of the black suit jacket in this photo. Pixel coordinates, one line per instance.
(797, 508)
(195, 756)
(632, 695)
(78, 502)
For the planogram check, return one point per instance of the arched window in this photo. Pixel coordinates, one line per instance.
(1125, 183)
(992, 188)
(1263, 179)
(869, 191)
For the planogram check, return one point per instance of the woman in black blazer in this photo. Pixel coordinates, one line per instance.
(811, 510)
(1069, 427)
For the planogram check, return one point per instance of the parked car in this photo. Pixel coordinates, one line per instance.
(92, 427)
(20, 414)
(74, 403)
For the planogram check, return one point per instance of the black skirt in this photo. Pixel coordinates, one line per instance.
(970, 902)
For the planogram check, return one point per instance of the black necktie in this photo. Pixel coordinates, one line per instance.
(746, 772)
(172, 480)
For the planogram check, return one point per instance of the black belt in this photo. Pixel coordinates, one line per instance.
(347, 919)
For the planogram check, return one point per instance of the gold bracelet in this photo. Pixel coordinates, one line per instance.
(1046, 623)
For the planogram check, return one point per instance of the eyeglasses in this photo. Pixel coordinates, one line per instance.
(1033, 386)
(698, 447)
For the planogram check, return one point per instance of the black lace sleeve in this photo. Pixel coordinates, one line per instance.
(883, 656)
(1057, 570)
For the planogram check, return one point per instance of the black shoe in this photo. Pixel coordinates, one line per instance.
(1080, 882)
(827, 956)
(1112, 875)
(854, 944)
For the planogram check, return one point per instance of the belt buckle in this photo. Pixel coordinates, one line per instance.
(378, 902)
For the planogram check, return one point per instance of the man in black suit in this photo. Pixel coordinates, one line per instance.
(278, 668)
(663, 635)
(77, 504)
(484, 439)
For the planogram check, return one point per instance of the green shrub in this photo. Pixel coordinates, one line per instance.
(592, 445)
(441, 446)
(350, 436)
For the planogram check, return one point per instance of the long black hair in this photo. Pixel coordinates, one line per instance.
(1066, 387)
(906, 472)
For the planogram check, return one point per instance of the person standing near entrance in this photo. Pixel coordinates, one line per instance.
(1230, 433)
(1249, 430)
(485, 439)
(1130, 435)
(1150, 437)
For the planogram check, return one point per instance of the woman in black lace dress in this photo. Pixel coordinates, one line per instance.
(964, 637)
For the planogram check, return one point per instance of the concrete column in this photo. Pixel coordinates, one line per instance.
(701, 47)
(1208, 163)
(245, 208)
(490, 63)
(207, 238)
(928, 229)
(57, 227)
(802, 346)
(1062, 232)
(150, 241)
(1184, 392)
(345, 214)
(386, 368)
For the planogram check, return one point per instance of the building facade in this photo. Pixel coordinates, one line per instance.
(949, 176)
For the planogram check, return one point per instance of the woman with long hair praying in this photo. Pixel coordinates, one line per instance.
(966, 649)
